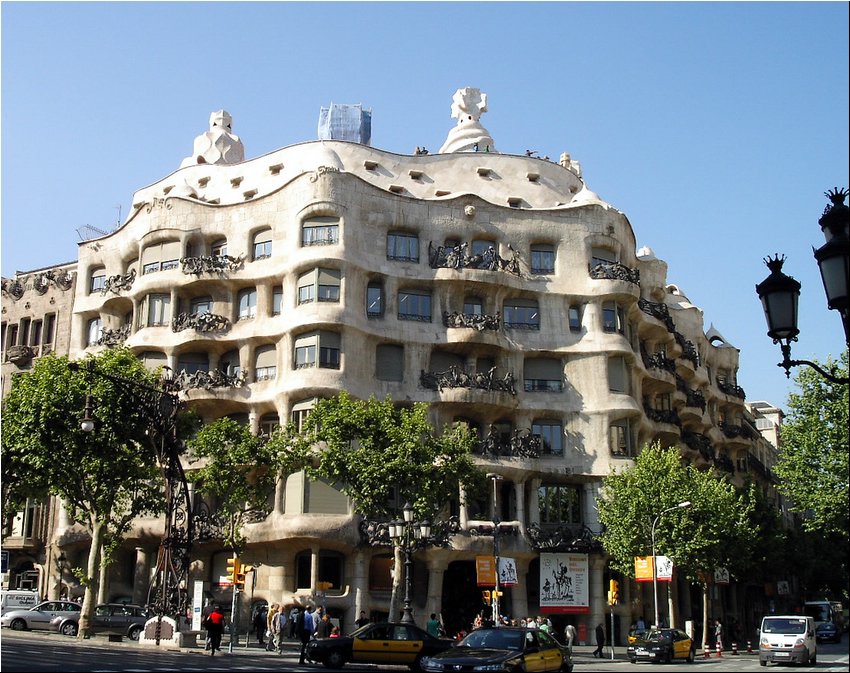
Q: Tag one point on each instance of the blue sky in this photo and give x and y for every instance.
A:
(715, 127)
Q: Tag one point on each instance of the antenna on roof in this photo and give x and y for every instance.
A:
(118, 223)
(88, 232)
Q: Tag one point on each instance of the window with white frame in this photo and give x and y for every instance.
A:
(559, 504)
(551, 434)
(318, 349)
(219, 248)
(402, 246)
(265, 363)
(229, 363)
(300, 411)
(319, 284)
(94, 330)
(98, 281)
(414, 305)
(542, 258)
(262, 244)
(200, 305)
(159, 310)
(320, 231)
(161, 257)
(269, 423)
(247, 303)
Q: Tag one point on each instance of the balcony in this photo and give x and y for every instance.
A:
(613, 271)
(562, 538)
(477, 321)
(455, 377)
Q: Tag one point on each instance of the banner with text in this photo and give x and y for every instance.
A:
(485, 571)
(564, 583)
(643, 568)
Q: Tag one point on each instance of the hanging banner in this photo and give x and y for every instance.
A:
(564, 583)
(507, 572)
(643, 568)
(721, 576)
(485, 570)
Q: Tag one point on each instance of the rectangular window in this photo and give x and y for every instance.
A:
(320, 231)
(324, 344)
(543, 375)
(521, 314)
(262, 250)
(414, 306)
(551, 434)
(49, 326)
(95, 329)
(575, 319)
(159, 309)
(402, 247)
(619, 438)
(247, 304)
(329, 357)
(473, 306)
(389, 362)
(277, 300)
(98, 282)
(559, 504)
(613, 317)
(265, 373)
(374, 300)
(218, 249)
(323, 284)
(602, 256)
(306, 294)
(300, 411)
(305, 356)
(201, 305)
(542, 259)
(618, 380)
(265, 366)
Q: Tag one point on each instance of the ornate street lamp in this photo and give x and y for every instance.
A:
(780, 293)
(168, 593)
(495, 598)
(686, 503)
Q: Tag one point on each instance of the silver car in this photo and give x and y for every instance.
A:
(40, 616)
(120, 619)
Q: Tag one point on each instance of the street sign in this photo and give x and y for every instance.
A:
(4, 561)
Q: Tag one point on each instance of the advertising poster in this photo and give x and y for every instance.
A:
(564, 583)
(485, 571)
(507, 572)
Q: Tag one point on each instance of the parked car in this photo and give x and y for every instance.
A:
(827, 631)
(382, 643)
(662, 645)
(120, 619)
(502, 649)
(787, 639)
(41, 616)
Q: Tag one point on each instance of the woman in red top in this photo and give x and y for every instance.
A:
(215, 628)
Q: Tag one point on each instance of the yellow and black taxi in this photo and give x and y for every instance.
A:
(662, 645)
(382, 643)
(507, 649)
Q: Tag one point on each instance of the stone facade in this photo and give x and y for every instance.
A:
(497, 288)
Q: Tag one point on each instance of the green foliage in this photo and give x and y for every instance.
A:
(813, 460)
(713, 532)
(108, 475)
(240, 470)
(367, 447)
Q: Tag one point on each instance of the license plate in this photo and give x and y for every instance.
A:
(781, 654)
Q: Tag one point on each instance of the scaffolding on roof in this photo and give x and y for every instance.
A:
(346, 122)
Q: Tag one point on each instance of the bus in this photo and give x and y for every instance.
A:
(825, 611)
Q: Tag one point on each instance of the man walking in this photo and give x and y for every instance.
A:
(570, 636)
(305, 631)
(600, 641)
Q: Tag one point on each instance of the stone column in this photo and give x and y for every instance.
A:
(359, 587)
(141, 576)
(276, 576)
(519, 593)
(533, 502)
(519, 494)
(434, 601)
(597, 590)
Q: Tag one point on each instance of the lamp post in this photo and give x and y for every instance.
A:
(780, 293)
(495, 598)
(686, 503)
(159, 406)
(407, 534)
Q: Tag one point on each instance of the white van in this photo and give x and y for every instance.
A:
(14, 599)
(787, 639)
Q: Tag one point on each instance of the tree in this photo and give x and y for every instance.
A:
(371, 449)
(713, 532)
(240, 470)
(106, 478)
(813, 455)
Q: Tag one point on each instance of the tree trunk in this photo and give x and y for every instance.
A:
(91, 579)
(706, 600)
(398, 574)
(103, 583)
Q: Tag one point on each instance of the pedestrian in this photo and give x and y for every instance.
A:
(305, 631)
(570, 636)
(293, 622)
(433, 625)
(641, 625)
(600, 641)
(260, 615)
(323, 628)
(215, 628)
(362, 620)
(718, 634)
(279, 628)
(270, 617)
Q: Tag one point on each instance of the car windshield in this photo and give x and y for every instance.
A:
(658, 636)
(498, 639)
(793, 626)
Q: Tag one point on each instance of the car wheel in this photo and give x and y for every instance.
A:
(762, 662)
(18, 625)
(335, 659)
(134, 633)
(68, 629)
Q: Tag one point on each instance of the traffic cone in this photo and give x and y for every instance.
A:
(749, 647)
(705, 651)
(734, 648)
(719, 650)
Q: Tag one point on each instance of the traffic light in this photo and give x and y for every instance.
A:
(233, 570)
(243, 570)
(497, 594)
(486, 596)
(614, 592)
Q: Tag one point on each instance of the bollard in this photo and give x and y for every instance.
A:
(749, 647)
(719, 650)
(734, 648)
(705, 651)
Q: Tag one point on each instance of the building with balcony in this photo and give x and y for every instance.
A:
(497, 288)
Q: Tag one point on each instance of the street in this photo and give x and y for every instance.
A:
(37, 651)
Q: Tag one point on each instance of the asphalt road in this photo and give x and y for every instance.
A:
(39, 651)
